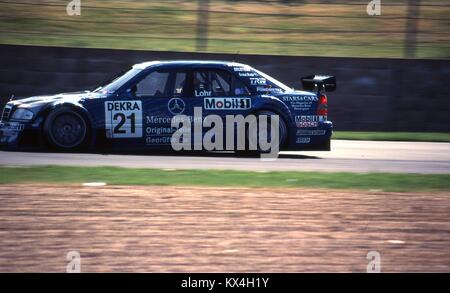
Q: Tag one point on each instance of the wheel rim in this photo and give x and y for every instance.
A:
(68, 130)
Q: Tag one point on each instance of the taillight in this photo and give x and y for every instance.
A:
(322, 109)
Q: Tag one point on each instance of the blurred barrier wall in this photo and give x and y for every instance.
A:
(372, 94)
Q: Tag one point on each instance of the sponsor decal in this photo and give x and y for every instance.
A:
(158, 129)
(176, 106)
(12, 126)
(300, 103)
(306, 124)
(300, 98)
(152, 131)
(203, 93)
(268, 89)
(258, 81)
(241, 69)
(168, 120)
(303, 139)
(227, 103)
(158, 140)
(311, 132)
(157, 120)
(123, 119)
(247, 74)
(310, 118)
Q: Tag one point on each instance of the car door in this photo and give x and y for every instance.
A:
(141, 116)
(218, 92)
(164, 95)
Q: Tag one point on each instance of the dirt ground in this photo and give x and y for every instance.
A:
(198, 229)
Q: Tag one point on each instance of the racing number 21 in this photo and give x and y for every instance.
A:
(123, 119)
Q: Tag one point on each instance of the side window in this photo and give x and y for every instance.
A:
(180, 84)
(153, 85)
(221, 83)
(211, 83)
(238, 87)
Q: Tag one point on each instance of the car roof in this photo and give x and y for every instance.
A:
(188, 63)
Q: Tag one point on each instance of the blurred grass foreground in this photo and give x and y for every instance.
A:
(413, 29)
(224, 178)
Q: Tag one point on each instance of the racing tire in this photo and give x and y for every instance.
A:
(283, 131)
(66, 130)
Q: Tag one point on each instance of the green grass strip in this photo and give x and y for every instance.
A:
(126, 176)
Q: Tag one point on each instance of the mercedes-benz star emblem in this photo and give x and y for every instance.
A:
(176, 106)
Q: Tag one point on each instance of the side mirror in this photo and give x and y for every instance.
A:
(131, 92)
(319, 83)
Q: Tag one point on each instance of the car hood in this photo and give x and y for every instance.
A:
(74, 97)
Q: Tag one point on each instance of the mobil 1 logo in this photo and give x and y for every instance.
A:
(123, 119)
(227, 103)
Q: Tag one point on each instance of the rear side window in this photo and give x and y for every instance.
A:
(239, 88)
(259, 82)
(217, 83)
(211, 83)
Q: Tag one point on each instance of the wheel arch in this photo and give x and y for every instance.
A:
(73, 106)
(78, 108)
(273, 104)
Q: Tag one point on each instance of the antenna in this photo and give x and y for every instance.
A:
(235, 56)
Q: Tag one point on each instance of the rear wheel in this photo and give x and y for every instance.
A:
(66, 130)
(268, 132)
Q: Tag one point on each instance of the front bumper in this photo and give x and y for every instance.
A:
(16, 135)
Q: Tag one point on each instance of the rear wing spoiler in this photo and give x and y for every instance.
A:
(319, 83)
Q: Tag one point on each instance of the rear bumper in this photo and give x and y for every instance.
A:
(310, 139)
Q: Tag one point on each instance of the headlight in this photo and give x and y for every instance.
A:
(22, 114)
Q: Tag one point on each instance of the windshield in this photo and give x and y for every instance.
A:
(116, 82)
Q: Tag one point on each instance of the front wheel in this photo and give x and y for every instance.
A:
(66, 130)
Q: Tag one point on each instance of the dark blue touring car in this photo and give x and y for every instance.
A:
(134, 110)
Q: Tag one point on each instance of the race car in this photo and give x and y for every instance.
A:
(136, 109)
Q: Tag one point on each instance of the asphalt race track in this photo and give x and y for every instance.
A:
(346, 156)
